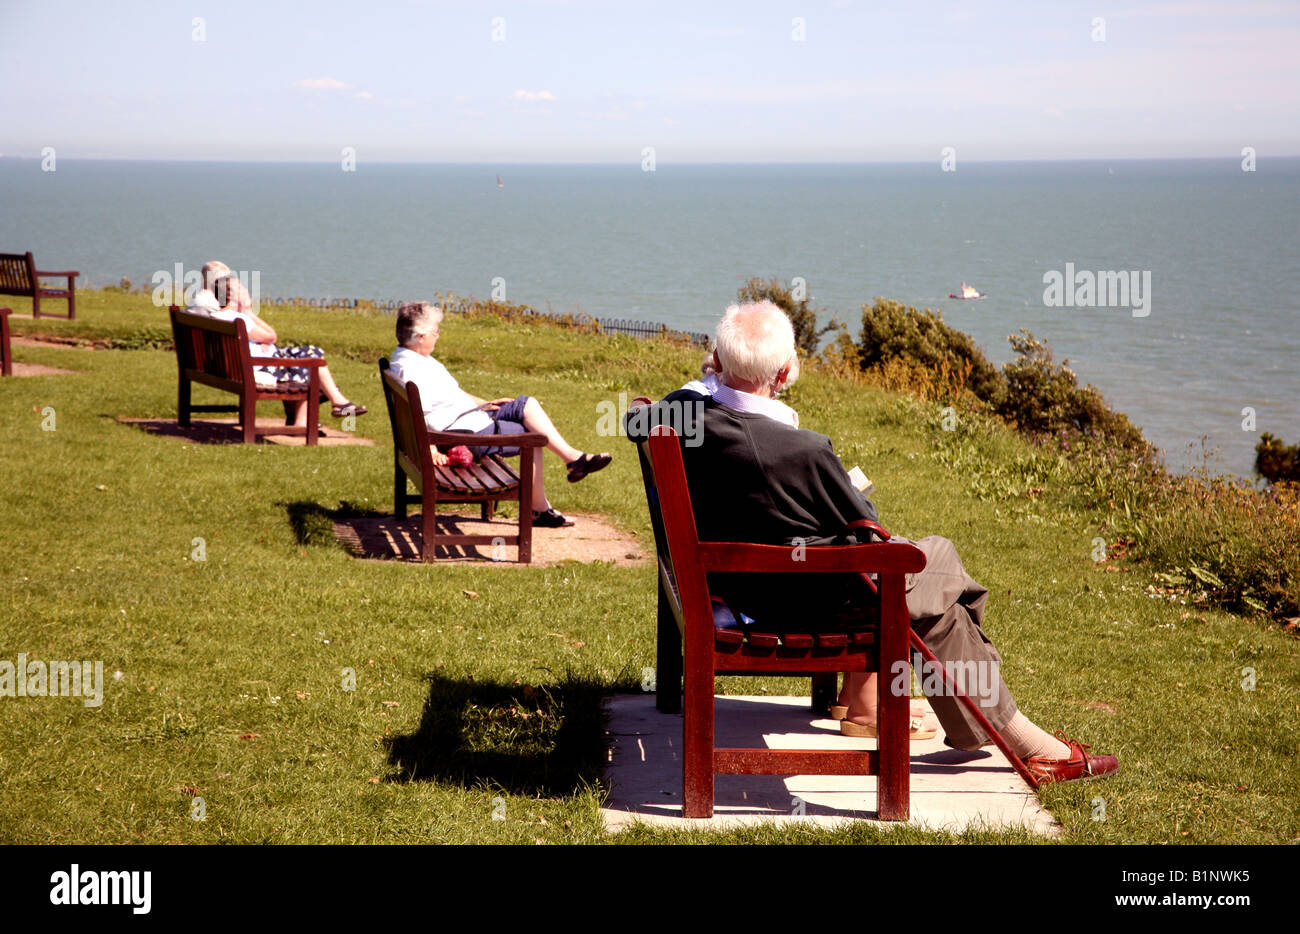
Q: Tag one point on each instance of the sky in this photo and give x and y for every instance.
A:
(501, 82)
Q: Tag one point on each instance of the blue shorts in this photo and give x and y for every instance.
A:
(507, 420)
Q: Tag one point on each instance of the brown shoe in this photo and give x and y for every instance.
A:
(1079, 765)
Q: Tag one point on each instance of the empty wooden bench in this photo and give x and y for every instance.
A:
(216, 353)
(19, 276)
(486, 481)
(691, 647)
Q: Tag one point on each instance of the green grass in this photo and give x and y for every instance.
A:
(461, 701)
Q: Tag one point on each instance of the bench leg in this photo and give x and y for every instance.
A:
(895, 756)
(36, 303)
(183, 403)
(248, 416)
(824, 686)
(668, 658)
(313, 406)
(72, 300)
(526, 504)
(697, 737)
(428, 524)
(399, 489)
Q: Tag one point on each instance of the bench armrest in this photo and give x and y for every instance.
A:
(874, 527)
(308, 362)
(870, 558)
(528, 439)
(72, 274)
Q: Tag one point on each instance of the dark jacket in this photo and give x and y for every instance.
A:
(753, 479)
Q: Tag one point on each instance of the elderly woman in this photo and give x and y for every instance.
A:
(447, 407)
(234, 303)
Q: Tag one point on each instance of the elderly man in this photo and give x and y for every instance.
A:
(755, 477)
(447, 407)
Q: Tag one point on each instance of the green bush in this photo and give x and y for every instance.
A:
(1044, 397)
(807, 336)
(1277, 462)
(920, 339)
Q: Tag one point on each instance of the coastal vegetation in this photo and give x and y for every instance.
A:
(477, 686)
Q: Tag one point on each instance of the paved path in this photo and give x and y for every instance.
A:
(951, 790)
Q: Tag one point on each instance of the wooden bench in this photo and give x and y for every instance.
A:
(486, 481)
(771, 647)
(6, 352)
(19, 276)
(216, 353)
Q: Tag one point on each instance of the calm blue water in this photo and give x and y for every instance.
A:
(673, 246)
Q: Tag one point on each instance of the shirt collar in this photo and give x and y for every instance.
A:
(755, 405)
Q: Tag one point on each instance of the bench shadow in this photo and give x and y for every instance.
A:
(370, 533)
(210, 430)
(546, 740)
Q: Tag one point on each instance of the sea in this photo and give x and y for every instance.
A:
(1207, 360)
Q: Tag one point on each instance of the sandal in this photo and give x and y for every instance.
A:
(917, 730)
(550, 519)
(587, 463)
(840, 711)
(347, 408)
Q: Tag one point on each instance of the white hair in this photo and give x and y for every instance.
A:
(412, 316)
(754, 342)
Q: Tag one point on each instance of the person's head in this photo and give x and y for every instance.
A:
(709, 366)
(212, 271)
(226, 289)
(755, 348)
(418, 326)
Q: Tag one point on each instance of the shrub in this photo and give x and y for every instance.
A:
(921, 339)
(807, 336)
(1275, 461)
(1044, 397)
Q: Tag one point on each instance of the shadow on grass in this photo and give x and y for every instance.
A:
(313, 524)
(543, 741)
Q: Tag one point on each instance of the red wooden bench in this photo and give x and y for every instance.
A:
(771, 647)
(19, 276)
(216, 353)
(6, 352)
(486, 481)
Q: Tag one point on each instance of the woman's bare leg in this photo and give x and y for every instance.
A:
(331, 390)
(536, 419)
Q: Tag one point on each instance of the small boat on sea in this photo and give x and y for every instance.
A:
(967, 291)
(500, 184)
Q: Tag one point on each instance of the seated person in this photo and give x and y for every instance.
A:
(447, 407)
(756, 478)
(230, 296)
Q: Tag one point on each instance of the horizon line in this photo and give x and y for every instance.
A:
(633, 162)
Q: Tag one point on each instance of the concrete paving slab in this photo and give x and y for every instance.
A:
(951, 790)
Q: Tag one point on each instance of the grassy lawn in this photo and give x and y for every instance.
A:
(232, 668)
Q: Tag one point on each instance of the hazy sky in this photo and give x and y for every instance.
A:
(599, 82)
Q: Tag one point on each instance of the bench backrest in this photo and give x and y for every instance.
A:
(681, 579)
(17, 274)
(406, 416)
(212, 351)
